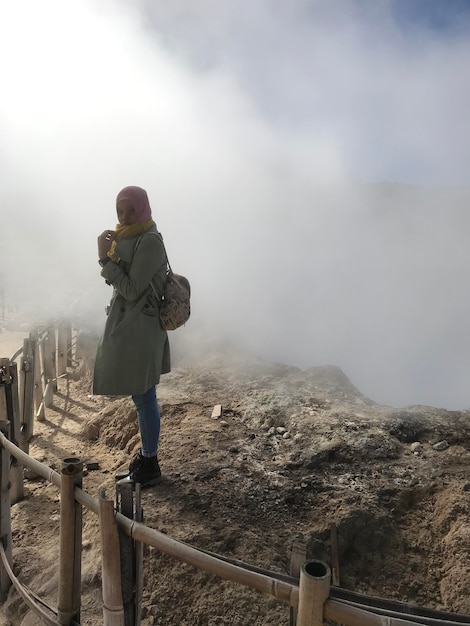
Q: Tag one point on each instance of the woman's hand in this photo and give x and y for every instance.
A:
(104, 242)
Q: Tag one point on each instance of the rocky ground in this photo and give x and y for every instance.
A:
(292, 453)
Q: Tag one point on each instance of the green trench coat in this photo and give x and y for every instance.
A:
(134, 350)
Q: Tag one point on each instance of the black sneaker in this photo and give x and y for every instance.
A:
(145, 470)
(135, 462)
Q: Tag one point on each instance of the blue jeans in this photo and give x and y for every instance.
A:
(148, 415)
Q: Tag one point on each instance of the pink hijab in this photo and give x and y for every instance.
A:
(139, 199)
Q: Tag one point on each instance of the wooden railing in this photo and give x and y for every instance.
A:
(26, 393)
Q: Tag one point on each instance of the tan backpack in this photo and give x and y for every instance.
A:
(174, 303)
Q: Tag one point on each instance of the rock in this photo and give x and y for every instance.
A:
(30, 474)
(217, 411)
(441, 445)
(416, 446)
(286, 435)
(91, 430)
(281, 430)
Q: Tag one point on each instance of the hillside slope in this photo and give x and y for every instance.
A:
(293, 452)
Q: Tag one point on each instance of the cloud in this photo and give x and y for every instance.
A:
(390, 93)
(262, 136)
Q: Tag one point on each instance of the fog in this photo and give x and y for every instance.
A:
(306, 162)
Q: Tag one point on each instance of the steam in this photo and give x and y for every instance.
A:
(263, 139)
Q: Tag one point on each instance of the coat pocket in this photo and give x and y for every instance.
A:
(151, 306)
(130, 315)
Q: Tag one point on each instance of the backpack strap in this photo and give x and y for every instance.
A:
(160, 237)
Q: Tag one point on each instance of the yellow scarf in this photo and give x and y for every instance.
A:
(128, 231)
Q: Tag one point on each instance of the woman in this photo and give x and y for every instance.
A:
(134, 350)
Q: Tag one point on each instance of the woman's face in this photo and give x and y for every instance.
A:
(126, 212)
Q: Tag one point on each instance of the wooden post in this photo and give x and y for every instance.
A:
(68, 334)
(297, 558)
(49, 352)
(12, 414)
(75, 350)
(3, 403)
(314, 589)
(125, 504)
(113, 610)
(38, 386)
(49, 394)
(70, 547)
(139, 559)
(5, 513)
(62, 340)
(334, 554)
(27, 393)
(5, 377)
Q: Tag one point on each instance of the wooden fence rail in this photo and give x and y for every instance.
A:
(308, 593)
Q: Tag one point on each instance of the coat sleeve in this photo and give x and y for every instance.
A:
(148, 258)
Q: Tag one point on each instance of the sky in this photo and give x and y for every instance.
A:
(307, 163)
